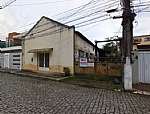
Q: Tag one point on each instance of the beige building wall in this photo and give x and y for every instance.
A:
(48, 34)
(82, 45)
(141, 40)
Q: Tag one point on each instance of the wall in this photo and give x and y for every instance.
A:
(82, 45)
(1, 60)
(135, 73)
(141, 67)
(83, 70)
(11, 60)
(61, 41)
(10, 39)
(15, 61)
(108, 69)
(144, 66)
(141, 40)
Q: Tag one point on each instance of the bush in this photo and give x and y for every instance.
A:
(66, 71)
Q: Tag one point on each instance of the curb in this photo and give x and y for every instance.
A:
(34, 76)
(141, 92)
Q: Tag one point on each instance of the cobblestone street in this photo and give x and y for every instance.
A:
(24, 95)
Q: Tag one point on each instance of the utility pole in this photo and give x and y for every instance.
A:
(127, 24)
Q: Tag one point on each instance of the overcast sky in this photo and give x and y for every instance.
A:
(17, 15)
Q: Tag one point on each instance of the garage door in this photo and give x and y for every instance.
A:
(144, 67)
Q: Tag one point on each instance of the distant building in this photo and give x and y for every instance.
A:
(2, 44)
(10, 40)
(10, 57)
(14, 39)
(141, 42)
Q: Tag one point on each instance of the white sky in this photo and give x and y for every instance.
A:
(13, 17)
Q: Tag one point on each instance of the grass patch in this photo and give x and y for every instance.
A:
(93, 78)
(92, 81)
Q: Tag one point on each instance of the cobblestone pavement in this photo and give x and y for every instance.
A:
(24, 95)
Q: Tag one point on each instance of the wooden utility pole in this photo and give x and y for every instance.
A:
(127, 23)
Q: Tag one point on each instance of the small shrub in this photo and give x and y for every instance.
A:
(66, 71)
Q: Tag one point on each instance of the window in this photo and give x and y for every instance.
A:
(87, 55)
(16, 55)
(81, 54)
(147, 39)
(16, 63)
(16, 59)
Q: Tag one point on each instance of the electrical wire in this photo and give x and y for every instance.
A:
(63, 13)
(93, 22)
(83, 17)
(91, 19)
(61, 30)
(95, 8)
(91, 14)
(40, 3)
(80, 22)
(78, 10)
(53, 16)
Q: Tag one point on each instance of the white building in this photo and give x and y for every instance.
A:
(10, 58)
(54, 47)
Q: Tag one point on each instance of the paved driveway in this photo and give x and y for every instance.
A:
(22, 95)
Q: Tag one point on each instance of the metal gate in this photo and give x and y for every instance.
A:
(144, 67)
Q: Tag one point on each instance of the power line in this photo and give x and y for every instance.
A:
(66, 12)
(83, 17)
(75, 20)
(91, 19)
(141, 10)
(51, 27)
(146, 11)
(61, 29)
(53, 16)
(93, 22)
(7, 4)
(91, 14)
(95, 8)
(58, 30)
(69, 22)
(79, 9)
(40, 3)
(88, 15)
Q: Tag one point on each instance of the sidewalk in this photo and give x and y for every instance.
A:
(142, 88)
(35, 74)
(137, 89)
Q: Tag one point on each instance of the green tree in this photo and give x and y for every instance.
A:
(112, 48)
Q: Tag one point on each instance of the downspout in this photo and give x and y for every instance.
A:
(23, 52)
(73, 50)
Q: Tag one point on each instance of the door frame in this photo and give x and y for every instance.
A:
(43, 68)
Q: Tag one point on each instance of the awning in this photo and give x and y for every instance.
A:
(40, 50)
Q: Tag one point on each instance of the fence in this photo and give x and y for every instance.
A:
(102, 67)
(108, 69)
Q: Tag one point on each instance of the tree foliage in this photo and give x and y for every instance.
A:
(112, 48)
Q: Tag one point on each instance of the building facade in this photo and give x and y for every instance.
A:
(54, 47)
(2, 44)
(10, 57)
(141, 42)
(14, 39)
